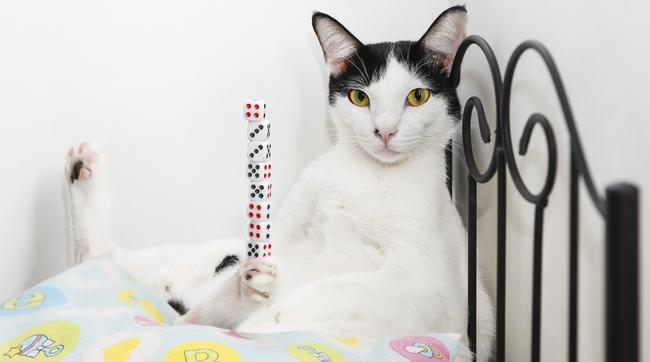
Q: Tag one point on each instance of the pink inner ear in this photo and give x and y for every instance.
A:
(337, 66)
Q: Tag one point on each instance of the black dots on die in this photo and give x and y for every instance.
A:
(257, 246)
(256, 255)
(257, 167)
(250, 166)
(268, 227)
(268, 236)
(250, 245)
(256, 151)
(252, 135)
(260, 147)
(260, 127)
(252, 194)
(250, 174)
(251, 155)
(256, 131)
(249, 253)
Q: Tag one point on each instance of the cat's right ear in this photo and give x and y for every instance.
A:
(338, 44)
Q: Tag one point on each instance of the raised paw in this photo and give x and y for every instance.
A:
(83, 162)
(258, 278)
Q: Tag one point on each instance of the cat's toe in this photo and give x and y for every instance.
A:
(258, 279)
(83, 161)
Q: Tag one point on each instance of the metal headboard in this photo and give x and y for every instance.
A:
(618, 208)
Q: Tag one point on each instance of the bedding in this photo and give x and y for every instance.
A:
(96, 312)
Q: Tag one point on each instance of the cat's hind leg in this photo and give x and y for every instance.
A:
(89, 203)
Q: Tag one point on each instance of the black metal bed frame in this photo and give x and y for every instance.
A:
(618, 208)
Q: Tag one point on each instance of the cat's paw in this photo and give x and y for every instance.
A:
(84, 162)
(258, 278)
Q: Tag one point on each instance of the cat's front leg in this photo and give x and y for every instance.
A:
(228, 303)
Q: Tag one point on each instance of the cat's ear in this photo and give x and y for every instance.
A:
(338, 44)
(445, 35)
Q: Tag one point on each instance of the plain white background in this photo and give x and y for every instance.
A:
(160, 85)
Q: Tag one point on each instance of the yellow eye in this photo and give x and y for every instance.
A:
(418, 96)
(358, 98)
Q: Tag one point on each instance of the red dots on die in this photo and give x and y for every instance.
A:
(259, 207)
(250, 226)
(257, 227)
(256, 115)
(258, 216)
(264, 247)
(250, 214)
(248, 114)
(257, 106)
(248, 105)
(250, 234)
(250, 206)
(257, 235)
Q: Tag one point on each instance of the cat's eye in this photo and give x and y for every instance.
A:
(358, 98)
(418, 96)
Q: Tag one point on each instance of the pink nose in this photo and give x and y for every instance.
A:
(385, 135)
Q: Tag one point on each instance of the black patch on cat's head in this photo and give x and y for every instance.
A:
(366, 63)
(369, 65)
(178, 306)
(228, 261)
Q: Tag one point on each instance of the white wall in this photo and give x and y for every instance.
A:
(160, 84)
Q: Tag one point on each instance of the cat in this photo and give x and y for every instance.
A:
(368, 241)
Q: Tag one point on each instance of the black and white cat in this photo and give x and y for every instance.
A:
(368, 242)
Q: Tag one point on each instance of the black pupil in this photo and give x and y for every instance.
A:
(361, 96)
(417, 94)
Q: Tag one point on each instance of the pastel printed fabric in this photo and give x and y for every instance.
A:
(96, 312)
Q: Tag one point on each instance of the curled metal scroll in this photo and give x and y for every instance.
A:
(577, 152)
(475, 104)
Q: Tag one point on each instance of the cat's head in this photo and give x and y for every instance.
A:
(393, 100)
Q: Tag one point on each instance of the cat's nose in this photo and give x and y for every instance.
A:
(385, 135)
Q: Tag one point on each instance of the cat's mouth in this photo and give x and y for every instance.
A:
(387, 153)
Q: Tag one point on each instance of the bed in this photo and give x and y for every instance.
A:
(96, 312)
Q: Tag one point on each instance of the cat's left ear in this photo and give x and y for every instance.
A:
(338, 44)
(445, 35)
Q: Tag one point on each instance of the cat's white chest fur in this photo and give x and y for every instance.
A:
(359, 216)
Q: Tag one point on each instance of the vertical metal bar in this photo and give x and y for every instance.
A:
(573, 261)
(471, 257)
(622, 265)
(450, 168)
(537, 283)
(501, 255)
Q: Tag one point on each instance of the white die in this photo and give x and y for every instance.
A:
(259, 131)
(258, 211)
(259, 231)
(255, 110)
(260, 191)
(258, 151)
(258, 171)
(259, 250)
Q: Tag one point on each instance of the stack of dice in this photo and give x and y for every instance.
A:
(258, 171)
